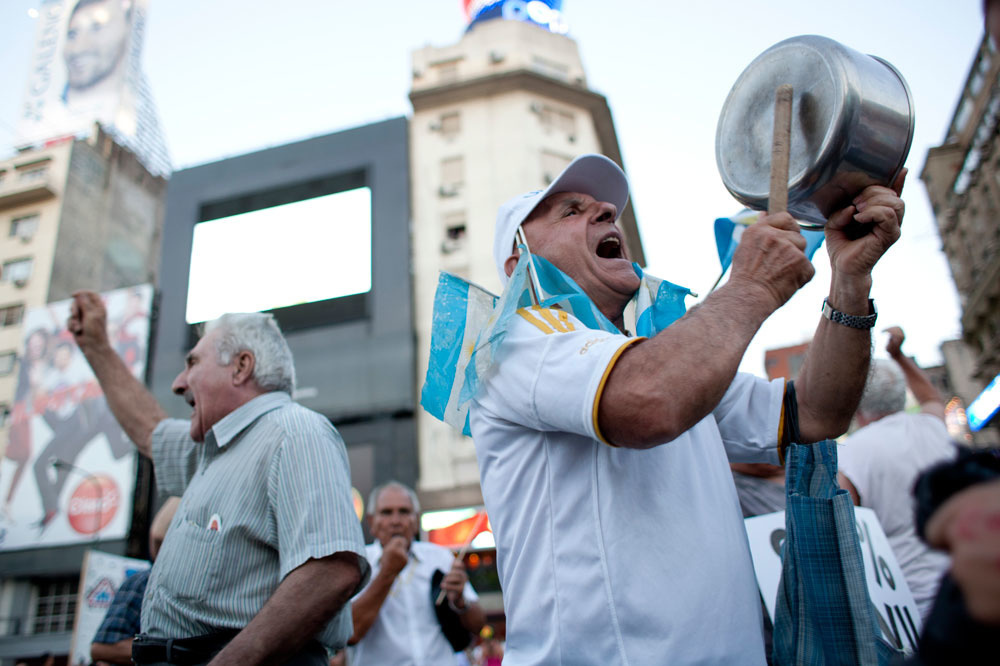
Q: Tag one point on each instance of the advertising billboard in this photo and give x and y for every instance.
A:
(68, 470)
(543, 13)
(86, 68)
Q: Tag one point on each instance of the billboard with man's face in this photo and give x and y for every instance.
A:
(86, 68)
(68, 470)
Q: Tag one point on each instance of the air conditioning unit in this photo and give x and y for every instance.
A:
(21, 283)
(27, 238)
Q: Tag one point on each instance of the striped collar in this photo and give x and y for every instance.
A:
(238, 420)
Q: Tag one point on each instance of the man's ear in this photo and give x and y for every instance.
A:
(511, 263)
(244, 365)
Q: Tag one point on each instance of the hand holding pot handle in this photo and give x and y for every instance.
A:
(878, 211)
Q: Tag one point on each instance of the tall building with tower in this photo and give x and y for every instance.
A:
(499, 113)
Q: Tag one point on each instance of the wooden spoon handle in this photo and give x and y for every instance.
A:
(777, 200)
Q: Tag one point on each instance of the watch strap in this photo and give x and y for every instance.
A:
(863, 322)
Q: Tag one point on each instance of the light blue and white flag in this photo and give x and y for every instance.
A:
(469, 325)
(729, 230)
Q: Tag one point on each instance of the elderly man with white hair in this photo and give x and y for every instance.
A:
(265, 549)
(880, 461)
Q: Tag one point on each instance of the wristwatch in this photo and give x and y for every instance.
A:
(853, 321)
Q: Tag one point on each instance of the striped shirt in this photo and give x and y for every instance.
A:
(267, 490)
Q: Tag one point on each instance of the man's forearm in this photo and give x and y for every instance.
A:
(834, 372)
(365, 609)
(917, 380)
(660, 388)
(115, 653)
(299, 609)
(474, 617)
(133, 406)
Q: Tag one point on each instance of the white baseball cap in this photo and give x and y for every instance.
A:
(591, 174)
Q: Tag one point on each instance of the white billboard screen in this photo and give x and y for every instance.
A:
(301, 252)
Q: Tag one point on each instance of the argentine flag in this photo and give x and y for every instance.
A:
(470, 323)
(729, 230)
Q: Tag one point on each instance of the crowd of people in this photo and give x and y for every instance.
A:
(619, 451)
(598, 437)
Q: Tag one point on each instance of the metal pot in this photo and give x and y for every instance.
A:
(852, 126)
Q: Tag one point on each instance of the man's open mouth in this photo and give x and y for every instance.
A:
(610, 248)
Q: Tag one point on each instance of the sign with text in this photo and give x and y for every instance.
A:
(101, 576)
(898, 616)
(86, 69)
(68, 471)
(543, 13)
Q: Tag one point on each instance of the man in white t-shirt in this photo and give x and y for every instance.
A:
(880, 461)
(604, 457)
(394, 616)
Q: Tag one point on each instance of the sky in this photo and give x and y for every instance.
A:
(235, 76)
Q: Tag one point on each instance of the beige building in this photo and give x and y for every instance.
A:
(963, 181)
(76, 213)
(962, 177)
(499, 113)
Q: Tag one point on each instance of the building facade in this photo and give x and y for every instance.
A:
(74, 214)
(962, 177)
(499, 113)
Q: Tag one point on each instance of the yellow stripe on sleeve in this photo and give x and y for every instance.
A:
(559, 319)
(555, 321)
(536, 322)
(604, 379)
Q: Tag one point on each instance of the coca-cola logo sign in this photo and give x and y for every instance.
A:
(93, 504)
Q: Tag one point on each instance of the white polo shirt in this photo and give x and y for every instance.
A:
(610, 555)
(406, 631)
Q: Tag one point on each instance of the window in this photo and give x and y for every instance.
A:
(25, 226)
(550, 68)
(447, 71)
(552, 118)
(56, 605)
(11, 315)
(452, 175)
(33, 175)
(4, 414)
(454, 225)
(552, 165)
(451, 124)
(17, 271)
(7, 360)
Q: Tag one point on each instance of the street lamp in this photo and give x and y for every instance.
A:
(58, 463)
